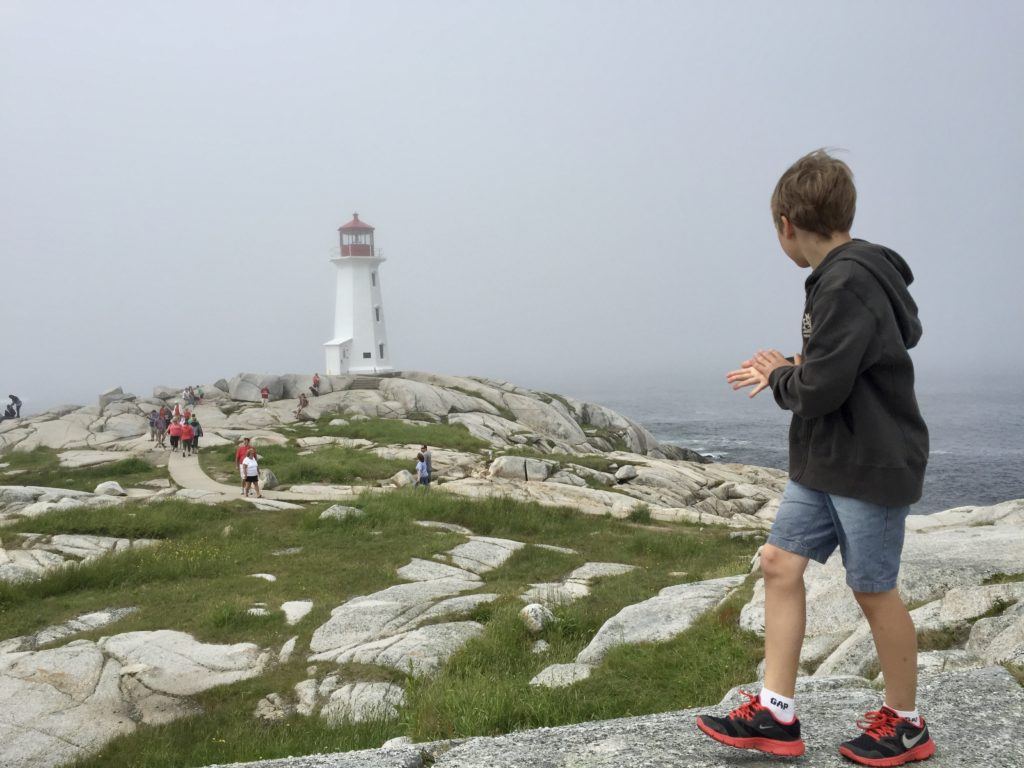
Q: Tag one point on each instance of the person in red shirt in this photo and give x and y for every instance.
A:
(175, 432)
(315, 389)
(240, 453)
(265, 394)
(187, 433)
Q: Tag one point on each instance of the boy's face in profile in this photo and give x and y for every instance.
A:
(786, 233)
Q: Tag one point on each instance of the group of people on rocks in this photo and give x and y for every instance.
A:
(13, 409)
(303, 400)
(192, 396)
(182, 427)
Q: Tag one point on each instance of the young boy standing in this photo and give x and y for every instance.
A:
(857, 453)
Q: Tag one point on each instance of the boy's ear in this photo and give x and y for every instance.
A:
(786, 228)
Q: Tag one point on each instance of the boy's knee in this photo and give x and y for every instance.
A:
(873, 601)
(779, 565)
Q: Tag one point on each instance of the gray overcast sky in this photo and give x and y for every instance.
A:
(566, 192)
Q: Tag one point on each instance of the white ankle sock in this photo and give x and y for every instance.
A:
(782, 707)
(912, 715)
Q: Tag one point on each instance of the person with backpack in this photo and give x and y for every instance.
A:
(197, 432)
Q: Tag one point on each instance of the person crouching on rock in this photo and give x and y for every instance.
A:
(175, 432)
(422, 471)
(251, 474)
(187, 433)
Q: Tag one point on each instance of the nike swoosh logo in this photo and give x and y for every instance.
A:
(908, 743)
(766, 727)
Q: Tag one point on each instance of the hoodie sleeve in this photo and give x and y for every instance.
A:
(840, 347)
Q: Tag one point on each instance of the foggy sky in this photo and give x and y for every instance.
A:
(567, 193)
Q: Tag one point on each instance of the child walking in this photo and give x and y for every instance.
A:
(857, 453)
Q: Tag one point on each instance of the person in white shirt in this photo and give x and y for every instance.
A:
(251, 473)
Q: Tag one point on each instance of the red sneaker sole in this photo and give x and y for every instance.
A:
(770, 746)
(920, 752)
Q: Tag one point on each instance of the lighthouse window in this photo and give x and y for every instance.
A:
(376, 311)
(373, 278)
(367, 355)
(381, 347)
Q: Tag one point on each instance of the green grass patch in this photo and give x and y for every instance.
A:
(42, 467)
(641, 513)
(1004, 578)
(331, 464)
(484, 690)
(394, 432)
(198, 580)
(1017, 671)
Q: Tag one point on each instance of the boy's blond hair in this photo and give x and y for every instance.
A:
(816, 194)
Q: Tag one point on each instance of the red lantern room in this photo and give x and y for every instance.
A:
(356, 238)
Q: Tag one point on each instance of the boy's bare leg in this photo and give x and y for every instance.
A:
(784, 617)
(896, 643)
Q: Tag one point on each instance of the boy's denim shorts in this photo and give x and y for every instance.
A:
(870, 537)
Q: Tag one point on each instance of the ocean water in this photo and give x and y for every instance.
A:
(977, 434)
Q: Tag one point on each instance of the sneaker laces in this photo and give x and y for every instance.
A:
(879, 723)
(747, 710)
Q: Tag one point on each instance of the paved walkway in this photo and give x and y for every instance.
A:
(186, 472)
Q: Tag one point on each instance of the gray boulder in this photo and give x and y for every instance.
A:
(268, 479)
(536, 617)
(247, 386)
(341, 512)
(626, 473)
(110, 488)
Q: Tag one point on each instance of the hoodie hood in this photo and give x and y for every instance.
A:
(893, 275)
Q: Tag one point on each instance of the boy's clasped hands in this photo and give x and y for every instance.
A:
(755, 371)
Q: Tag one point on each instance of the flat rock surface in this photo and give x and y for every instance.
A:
(662, 617)
(73, 699)
(985, 735)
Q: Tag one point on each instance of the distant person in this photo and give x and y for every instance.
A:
(174, 430)
(177, 412)
(240, 453)
(422, 471)
(153, 416)
(315, 389)
(199, 394)
(8, 413)
(428, 458)
(16, 405)
(161, 428)
(857, 456)
(303, 404)
(251, 474)
(265, 396)
(197, 432)
(187, 433)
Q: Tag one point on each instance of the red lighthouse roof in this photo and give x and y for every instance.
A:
(356, 224)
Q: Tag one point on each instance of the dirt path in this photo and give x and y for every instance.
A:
(186, 472)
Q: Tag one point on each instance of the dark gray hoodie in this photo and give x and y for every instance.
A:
(856, 429)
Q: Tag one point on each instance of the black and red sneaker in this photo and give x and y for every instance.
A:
(753, 726)
(888, 739)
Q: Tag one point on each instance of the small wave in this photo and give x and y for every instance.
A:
(714, 454)
(939, 453)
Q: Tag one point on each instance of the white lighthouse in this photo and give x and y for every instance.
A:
(360, 343)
